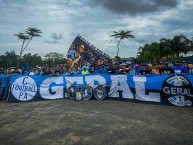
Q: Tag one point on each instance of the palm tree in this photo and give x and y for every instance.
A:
(121, 35)
(26, 38)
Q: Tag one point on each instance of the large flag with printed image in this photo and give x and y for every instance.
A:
(81, 52)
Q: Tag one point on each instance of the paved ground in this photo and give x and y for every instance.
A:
(107, 122)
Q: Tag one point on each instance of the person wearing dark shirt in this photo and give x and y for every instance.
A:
(165, 69)
(56, 71)
(144, 71)
(47, 71)
(112, 70)
(190, 69)
(124, 70)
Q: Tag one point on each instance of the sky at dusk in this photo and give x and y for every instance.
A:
(62, 20)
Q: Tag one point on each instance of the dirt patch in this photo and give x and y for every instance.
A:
(94, 122)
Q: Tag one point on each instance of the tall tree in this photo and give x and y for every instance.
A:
(121, 35)
(26, 38)
(10, 58)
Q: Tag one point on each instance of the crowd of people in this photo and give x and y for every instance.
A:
(102, 68)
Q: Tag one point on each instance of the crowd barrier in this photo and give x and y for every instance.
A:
(164, 89)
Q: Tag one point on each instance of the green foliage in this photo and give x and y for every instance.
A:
(9, 59)
(165, 49)
(54, 58)
(117, 58)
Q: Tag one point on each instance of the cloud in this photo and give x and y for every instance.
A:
(136, 7)
(57, 36)
(51, 41)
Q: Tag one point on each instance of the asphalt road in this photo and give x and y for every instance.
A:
(107, 122)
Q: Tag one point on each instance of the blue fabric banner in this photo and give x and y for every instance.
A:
(166, 89)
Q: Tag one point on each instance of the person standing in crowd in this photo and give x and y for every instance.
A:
(185, 65)
(56, 71)
(32, 71)
(165, 69)
(69, 72)
(86, 65)
(76, 71)
(38, 71)
(16, 71)
(131, 70)
(47, 71)
(123, 70)
(137, 68)
(156, 70)
(178, 69)
(149, 67)
(4, 84)
(190, 69)
(144, 71)
(9, 71)
(104, 68)
(85, 72)
(97, 69)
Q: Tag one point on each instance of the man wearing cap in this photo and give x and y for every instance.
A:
(178, 69)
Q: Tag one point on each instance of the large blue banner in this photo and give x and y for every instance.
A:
(166, 89)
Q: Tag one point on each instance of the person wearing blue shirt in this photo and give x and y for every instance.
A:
(178, 69)
(104, 69)
(4, 84)
(97, 69)
(137, 69)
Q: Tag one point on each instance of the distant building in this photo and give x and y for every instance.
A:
(123, 60)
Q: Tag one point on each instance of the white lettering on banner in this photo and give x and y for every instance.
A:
(71, 80)
(115, 88)
(140, 90)
(58, 91)
(24, 88)
(90, 80)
